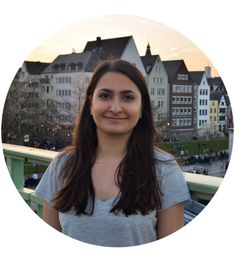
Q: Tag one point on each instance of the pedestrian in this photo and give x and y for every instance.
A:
(222, 165)
(112, 187)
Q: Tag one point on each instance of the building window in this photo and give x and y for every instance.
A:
(148, 68)
(182, 77)
(72, 66)
(189, 88)
(62, 67)
(176, 88)
(160, 104)
(63, 93)
(158, 68)
(79, 65)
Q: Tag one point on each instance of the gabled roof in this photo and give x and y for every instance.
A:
(35, 67)
(215, 81)
(215, 96)
(172, 67)
(88, 60)
(217, 84)
(148, 62)
(227, 100)
(197, 76)
(112, 48)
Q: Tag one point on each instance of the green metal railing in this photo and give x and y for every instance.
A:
(201, 187)
(15, 157)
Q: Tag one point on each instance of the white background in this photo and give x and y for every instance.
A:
(24, 25)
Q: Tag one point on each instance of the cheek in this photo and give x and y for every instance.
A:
(98, 108)
(137, 109)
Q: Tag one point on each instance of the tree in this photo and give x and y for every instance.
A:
(27, 113)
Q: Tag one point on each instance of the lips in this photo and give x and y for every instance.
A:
(115, 118)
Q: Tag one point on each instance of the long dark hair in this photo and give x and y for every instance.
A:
(139, 191)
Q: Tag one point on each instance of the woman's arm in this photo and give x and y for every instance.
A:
(51, 216)
(170, 220)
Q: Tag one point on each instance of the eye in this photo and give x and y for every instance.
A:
(128, 97)
(104, 95)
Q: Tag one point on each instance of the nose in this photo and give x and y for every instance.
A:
(116, 107)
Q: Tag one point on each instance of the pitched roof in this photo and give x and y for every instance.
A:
(215, 96)
(197, 76)
(112, 48)
(35, 67)
(172, 67)
(227, 100)
(215, 81)
(218, 95)
(217, 84)
(87, 60)
(148, 62)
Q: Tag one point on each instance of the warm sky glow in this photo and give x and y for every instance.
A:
(166, 42)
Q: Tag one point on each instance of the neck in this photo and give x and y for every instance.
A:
(111, 146)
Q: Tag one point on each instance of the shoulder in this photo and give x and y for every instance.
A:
(165, 163)
(64, 156)
(50, 182)
(162, 155)
(60, 160)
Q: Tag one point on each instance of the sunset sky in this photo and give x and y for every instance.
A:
(165, 41)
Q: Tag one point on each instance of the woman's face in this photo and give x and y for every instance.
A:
(116, 104)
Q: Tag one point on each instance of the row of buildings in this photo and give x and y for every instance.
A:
(186, 103)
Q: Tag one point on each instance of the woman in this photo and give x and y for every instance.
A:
(112, 187)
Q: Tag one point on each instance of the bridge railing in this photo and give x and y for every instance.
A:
(201, 187)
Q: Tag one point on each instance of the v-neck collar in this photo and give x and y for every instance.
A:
(108, 200)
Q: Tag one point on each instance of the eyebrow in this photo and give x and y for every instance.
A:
(111, 91)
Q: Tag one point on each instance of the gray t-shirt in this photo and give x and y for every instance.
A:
(107, 229)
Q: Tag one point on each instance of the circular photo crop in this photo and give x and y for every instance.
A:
(117, 131)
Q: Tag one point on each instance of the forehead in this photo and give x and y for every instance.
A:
(117, 82)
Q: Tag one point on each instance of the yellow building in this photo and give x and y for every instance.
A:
(213, 114)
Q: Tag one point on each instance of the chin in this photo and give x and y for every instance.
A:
(116, 132)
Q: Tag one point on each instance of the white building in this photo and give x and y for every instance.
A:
(157, 81)
(67, 77)
(30, 95)
(202, 102)
(65, 82)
